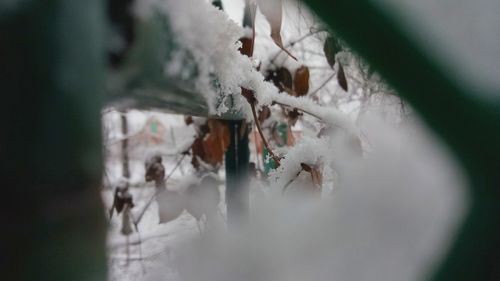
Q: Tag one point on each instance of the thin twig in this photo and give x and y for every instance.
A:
(176, 165)
(293, 93)
(323, 84)
(292, 43)
(290, 181)
(174, 145)
(259, 129)
(257, 160)
(139, 240)
(303, 110)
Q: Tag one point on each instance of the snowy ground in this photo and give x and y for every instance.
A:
(154, 248)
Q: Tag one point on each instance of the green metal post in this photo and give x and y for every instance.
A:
(51, 77)
(237, 172)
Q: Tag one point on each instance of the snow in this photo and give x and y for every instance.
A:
(390, 220)
(387, 208)
(208, 34)
(388, 215)
(212, 38)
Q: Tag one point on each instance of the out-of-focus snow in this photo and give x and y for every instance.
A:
(390, 216)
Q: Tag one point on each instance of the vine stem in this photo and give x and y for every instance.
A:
(259, 129)
(250, 97)
(292, 93)
(292, 43)
(323, 84)
(290, 181)
(303, 110)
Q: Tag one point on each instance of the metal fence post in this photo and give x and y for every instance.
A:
(237, 172)
(51, 78)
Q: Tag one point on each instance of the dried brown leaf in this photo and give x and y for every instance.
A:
(305, 167)
(272, 11)
(246, 46)
(316, 177)
(215, 142)
(331, 48)
(301, 81)
(341, 79)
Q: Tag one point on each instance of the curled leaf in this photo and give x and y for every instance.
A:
(211, 144)
(341, 79)
(301, 81)
(316, 177)
(272, 10)
(331, 48)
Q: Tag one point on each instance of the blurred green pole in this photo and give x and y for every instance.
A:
(237, 158)
(51, 77)
(237, 172)
(466, 122)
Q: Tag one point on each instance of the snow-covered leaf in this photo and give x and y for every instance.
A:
(272, 10)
